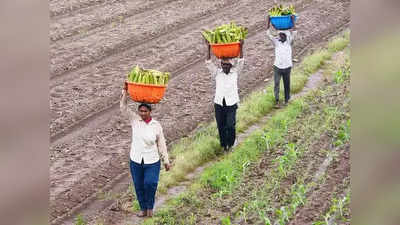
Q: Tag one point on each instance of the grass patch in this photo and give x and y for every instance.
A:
(338, 44)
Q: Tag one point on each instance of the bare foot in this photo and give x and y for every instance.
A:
(141, 214)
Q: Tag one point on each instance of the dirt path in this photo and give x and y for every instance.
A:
(90, 139)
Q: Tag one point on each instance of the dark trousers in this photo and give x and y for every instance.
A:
(226, 122)
(145, 179)
(285, 74)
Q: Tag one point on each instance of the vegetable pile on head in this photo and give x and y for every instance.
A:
(282, 11)
(142, 76)
(224, 34)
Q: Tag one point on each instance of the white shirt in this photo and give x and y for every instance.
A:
(226, 84)
(283, 51)
(148, 141)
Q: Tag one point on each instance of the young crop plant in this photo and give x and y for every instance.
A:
(343, 134)
(226, 220)
(286, 161)
(338, 210)
(343, 73)
(80, 220)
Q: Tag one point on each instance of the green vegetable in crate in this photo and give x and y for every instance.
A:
(142, 76)
(227, 33)
(282, 11)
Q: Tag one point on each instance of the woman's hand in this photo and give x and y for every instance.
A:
(167, 166)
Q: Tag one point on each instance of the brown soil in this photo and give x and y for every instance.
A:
(89, 138)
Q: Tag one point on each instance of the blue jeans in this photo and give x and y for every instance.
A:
(145, 179)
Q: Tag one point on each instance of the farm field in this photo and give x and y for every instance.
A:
(95, 43)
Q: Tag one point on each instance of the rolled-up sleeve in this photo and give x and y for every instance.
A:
(162, 146)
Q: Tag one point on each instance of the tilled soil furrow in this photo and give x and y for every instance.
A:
(93, 93)
(318, 202)
(116, 13)
(306, 166)
(76, 52)
(62, 7)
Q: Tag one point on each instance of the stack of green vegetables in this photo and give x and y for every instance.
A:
(227, 33)
(142, 76)
(281, 11)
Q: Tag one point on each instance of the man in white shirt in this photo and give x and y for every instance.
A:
(226, 96)
(283, 60)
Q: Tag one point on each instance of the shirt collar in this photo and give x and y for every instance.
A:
(150, 121)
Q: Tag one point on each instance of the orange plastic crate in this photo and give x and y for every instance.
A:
(147, 93)
(229, 50)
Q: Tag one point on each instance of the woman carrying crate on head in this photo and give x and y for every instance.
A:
(147, 147)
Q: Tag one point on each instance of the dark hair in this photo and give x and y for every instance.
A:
(283, 33)
(145, 105)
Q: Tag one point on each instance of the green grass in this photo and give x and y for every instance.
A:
(339, 43)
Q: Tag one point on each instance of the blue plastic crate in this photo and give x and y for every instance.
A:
(282, 22)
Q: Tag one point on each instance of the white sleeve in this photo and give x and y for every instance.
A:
(272, 38)
(239, 65)
(291, 36)
(125, 110)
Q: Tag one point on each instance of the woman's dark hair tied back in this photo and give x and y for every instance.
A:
(145, 105)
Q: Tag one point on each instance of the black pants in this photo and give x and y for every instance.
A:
(285, 74)
(226, 122)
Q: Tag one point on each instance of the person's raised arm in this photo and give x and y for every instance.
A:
(294, 31)
(123, 105)
(240, 60)
(209, 64)
(269, 35)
